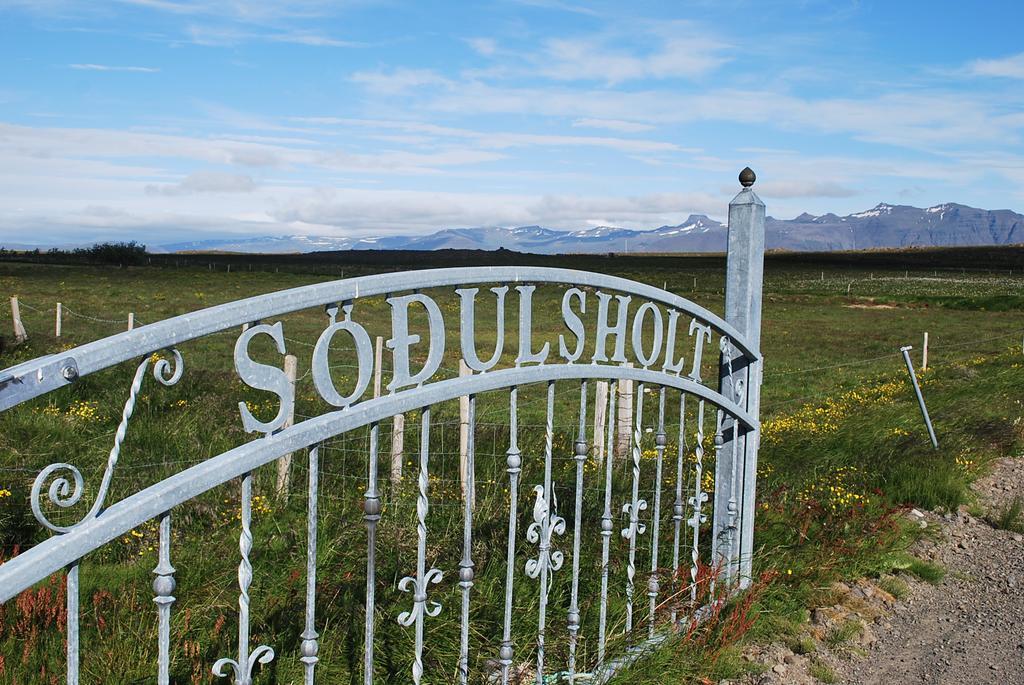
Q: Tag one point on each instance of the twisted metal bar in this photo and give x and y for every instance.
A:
(424, 578)
(514, 468)
(163, 586)
(263, 654)
(653, 586)
(718, 554)
(60, 491)
(580, 455)
(546, 524)
(633, 509)
(678, 507)
(697, 501)
(310, 648)
(466, 573)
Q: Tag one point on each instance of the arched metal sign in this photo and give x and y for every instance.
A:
(611, 330)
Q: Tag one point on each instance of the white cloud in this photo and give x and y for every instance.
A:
(396, 211)
(1007, 67)
(107, 67)
(612, 125)
(206, 182)
(594, 59)
(399, 80)
(793, 188)
(483, 46)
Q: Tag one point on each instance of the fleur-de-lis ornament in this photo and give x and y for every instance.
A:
(546, 524)
(418, 586)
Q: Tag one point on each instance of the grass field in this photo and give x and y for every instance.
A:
(843, 449)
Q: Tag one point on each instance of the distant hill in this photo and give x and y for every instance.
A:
(884, 225)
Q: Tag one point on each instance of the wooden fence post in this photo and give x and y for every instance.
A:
(924, 353)
(57, 322)
(397, 422)
(600, 416)
(131, 320)
(378, 357)
(20, 335)
(284, 464)
(625, 417)
(397, 446)
(467, 487)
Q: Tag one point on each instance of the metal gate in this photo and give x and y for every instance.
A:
(620, 335)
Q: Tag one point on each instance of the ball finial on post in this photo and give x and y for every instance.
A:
(747, 177)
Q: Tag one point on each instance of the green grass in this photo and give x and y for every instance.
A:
(1009, 517)
(842, 634)
(822, 672)
(926, 571)
(855, 427)
(894, 586)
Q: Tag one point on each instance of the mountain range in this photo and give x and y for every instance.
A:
(882, 226)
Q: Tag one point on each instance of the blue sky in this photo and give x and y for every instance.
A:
(165, 120)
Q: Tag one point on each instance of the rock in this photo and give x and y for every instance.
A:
(1017, 537)
(779, 669)
(867, 636)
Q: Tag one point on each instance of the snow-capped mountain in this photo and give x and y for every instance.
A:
(884, 225)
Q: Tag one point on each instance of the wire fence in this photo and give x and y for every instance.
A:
(450, 371)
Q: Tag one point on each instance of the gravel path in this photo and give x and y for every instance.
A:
(970, 627)
(966, 630)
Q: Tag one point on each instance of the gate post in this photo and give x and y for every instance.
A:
(736, 467)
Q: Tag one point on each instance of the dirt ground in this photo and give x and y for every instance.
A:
(968, 628)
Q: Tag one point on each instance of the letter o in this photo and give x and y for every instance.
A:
(322, 370)
(638, 329)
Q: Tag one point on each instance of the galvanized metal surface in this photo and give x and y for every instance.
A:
(920, 398)
(736, 436)
(33, 378)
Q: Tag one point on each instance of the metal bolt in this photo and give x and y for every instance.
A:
(70, 373)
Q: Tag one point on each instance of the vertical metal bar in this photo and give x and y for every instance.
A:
(920, 397)
(72, 589)
(371, 515)
(653, 586)
(163, 586)
(310, 648)
(263, 654)
(581, 458)
(678, 509)
(466, 564)
(244, 576)
(606, 524)
(422, 508)
(634, 507)
(545, 525)
(748, 507)
(720, 523)
(697, 501)
(514, 468)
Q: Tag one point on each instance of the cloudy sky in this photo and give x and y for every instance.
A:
(165, 120)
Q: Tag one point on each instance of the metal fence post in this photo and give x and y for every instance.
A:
(736, 468)
(920, 398)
